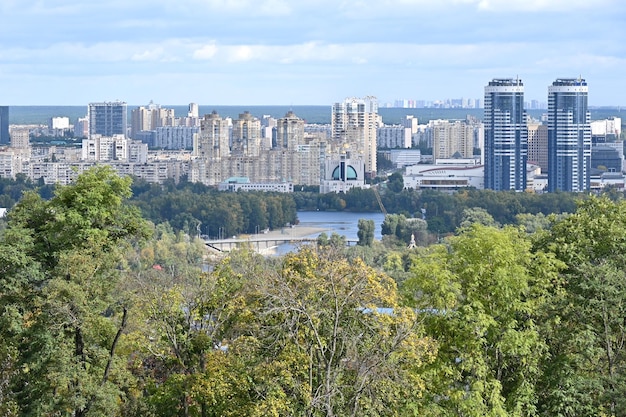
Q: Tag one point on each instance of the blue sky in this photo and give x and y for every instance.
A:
(237, 52)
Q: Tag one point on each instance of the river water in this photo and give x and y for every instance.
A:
(341, 222)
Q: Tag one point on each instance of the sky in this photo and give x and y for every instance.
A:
(304, 52)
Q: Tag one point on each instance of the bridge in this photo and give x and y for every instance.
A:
(260, 243)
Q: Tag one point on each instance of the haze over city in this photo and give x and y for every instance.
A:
(71, 52)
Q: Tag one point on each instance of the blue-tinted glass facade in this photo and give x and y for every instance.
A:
(108, 119)
(569, 136)
(4, 125)
(506, 135)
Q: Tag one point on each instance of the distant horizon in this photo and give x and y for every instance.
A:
(382, 105)
(313, 114)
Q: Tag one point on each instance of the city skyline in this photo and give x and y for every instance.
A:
(276, 52)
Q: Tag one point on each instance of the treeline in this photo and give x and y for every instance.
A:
(443, 211)
(197, 209)
(105, 314)
(11, 190)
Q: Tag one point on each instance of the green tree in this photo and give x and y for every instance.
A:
(337, 340)
(586, 372)
(60, 311)
(477, 215)
(365, 232)
(481, 298)
(395, 182)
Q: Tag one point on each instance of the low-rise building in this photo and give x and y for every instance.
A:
(234, 184)
(445, 175)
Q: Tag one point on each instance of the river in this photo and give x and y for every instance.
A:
(340, 222)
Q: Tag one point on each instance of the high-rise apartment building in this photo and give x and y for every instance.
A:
(569, 135)
(107, 118)
(20, 138)
(5, 138)
(452, 139)
(354, 124)
(289, 132)
(246, 139)
(506, 135)
(213, 140)
(538, 145)
(144, 119)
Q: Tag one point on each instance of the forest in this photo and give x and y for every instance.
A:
(106, 312)
(196, 209)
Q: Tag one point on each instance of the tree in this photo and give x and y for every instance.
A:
(586, 371)
(186, 330)
(59, 275)
(366, 232)
(337, 340)
(481, 298)
(477, 215)
(395, 182)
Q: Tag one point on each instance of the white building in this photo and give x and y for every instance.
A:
(342, 174)
(401, 158)
(354, 125)
(445, 175)
(113, 148)
(175, 137)
(607, 129)
(392, 137)
(61, 123)
(234, 184)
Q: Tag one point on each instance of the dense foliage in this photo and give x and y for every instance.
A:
(104, 314)
(199, 210)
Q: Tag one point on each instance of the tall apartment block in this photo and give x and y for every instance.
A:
(569, 135)
(149, 118)
(452, 139)
(289, 132)
(506, 135)
(246, 136)
(354, 123)
(107, 118)
(538, 145)
(5, 138)
(214, 138)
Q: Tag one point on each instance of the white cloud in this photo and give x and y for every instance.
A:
(156, 54)
(205, 52)
(540, 5)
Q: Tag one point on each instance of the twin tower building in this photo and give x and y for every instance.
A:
(506, 135)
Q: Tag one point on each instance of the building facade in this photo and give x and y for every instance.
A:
(393, 137)
(506, 135)
(289, 132)
(354, 125)
(453, 139)
(20, 138)
(5, 138)
(569, 136)
(538, 145)
(107, 118)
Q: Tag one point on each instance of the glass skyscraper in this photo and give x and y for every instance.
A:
(4, 125)
(108, 118)
(569, 135)
(506, 135)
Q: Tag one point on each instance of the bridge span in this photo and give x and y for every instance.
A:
(262, 244)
